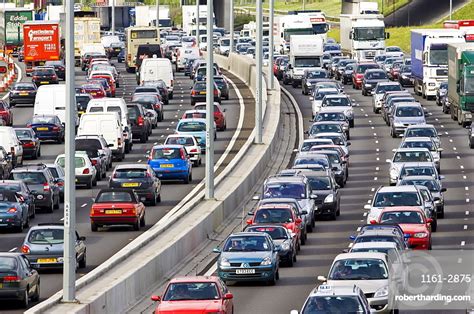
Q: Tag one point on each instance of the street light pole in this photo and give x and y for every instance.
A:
(258, 92)
(210, 104)
(231, 18)
(450, 9)
(197, 22)
(158, 19)
(69, 271)
(112, 28)
(271, 43)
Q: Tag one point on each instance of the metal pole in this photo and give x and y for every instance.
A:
(69, 271)
(271, 43)
(450, 9)
(210, 104)
(258, 93)
(158, 19)
(197, 22)
(231, 18)
(112, 27)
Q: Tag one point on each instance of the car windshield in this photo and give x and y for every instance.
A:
(358, 269)
(402, 217)
(43, 120)
(246, 244)
(333, 158)
(307, 62)
(276, 233)
(424, 144)
(432, 185)
(389, 199)
(319, 183)
(307, 145)
(333, 304)
(7, 264)
(54, 172)
(30, 177)
(330, 116)
(325, 128)
(336, 102)
(191, 291)
(193, 126)
(114, 197)
(387, 88)
(44, 72)
(363, 67)
(285, 190)
(79, 162)
(421, 132)
(409, 112)
(336, 139)
(185, 141)
(412, 156)
(273, 215)
(320, 95)
(144, 98)
(378, 75)
(317, 74)
(311, 161)
(166, 153)
(82, 100)
(24, 134)
(417, 171)
(46, 236)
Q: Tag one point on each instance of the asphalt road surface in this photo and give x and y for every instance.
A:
(103, 244)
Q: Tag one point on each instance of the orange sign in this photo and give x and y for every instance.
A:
(41, 41)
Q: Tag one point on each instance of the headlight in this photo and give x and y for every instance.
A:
(420, 235)
(60, 259)
(224, 262)
(285, 246)
(308, 84)
(266, 261)
(468, 115)
(393, 173)
(368, 85)
(404, 77)
(397, 124)
(382, 292)
(329, 199)
(349, 113)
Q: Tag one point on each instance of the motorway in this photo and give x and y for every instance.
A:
(103, 244)
(371, 146)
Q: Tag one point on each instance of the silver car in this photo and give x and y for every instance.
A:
(404, 155)
(403, 115)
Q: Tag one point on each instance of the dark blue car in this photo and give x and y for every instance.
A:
(171, 162)
(47, 128)
(12, 213)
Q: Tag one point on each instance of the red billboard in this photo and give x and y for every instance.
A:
(41, 41)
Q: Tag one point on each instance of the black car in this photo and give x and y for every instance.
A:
(161, 85)
(44, 76)
(311, 77)
(198, 93)
(22, 190)
(150, 101)
(371, 78)
(346, 76)
(140, 178)
(82, 100)
(121, 56)
(405, 77)
(30, 142)
(47, 128)
(223, 86)
(22, 93)
(40, 181)
(141, 126)
(59, 68)
(441, 92)
(19, 281)
(340, 68)
(188, 66)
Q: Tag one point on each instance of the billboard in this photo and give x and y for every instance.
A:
(41, 41)
(13, 26)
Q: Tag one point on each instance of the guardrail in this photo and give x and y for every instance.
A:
(10, 75)
(131, 273)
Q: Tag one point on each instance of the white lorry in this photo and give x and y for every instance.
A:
(147, 16)
(190, 16)
(363, 35)
(286, 26)
(306, 53)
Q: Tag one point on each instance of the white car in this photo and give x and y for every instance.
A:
(190, 144)
(425, 142)
(423, 130)
(318, 96)
(86, 172)
(404, 155)
(379, 91)
(342, 103)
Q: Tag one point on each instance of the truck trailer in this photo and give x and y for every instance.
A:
(41, 43)
(11, 27)
(86, 32)
(461, 82)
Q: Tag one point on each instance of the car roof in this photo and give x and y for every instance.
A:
(418, 139)
(425, 126)
(327, 122)
(194, 279)
(5, 182)
(47, 226)
(388, 83)
(192, 120)
(361, 255)
(328, 134)
(369, 245)
(291, 179)
(409, 149)
(419, 164)
(402, 208)
(419, 178)
(398, 188)
(131, 166)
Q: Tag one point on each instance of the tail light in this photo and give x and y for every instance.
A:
(215, 92)
(29, 144)
(85, 171)
(194, 150)
(56, 128)
(140, 121)
(46, 187)
(11, 210)
(183, 155)
(157, 106)
(94, 162)
(11, 279)
(54, 77)
(35, 77)
(60, 183)
(193, 93)
(119, 142)
(25, 249)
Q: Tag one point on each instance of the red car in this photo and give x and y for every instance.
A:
(95, 90)
(281, 214)
(109, 79)
(5, 113)
(358, 74)
(219, 114)
(395, 71)
(117, 207)
(413, 222)
(200, 294)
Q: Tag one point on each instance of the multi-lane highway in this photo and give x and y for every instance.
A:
(102, 245)
(371, 146)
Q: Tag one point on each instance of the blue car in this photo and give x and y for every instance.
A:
(47, 128)
(12, 213)
(171, 162)
(195, 127)
(248, 256)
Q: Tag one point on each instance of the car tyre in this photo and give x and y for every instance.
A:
(35, 297)
(143, 138)
(136, 225)
(89, 184)
(26, 299)
(94, 182)
(56, 205)
(94, 227)
(83, 262)
(291, 260)
(50, 208)
(153, 200)
(351, 123)
(143, 221)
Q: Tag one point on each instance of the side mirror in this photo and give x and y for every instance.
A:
(334, 168)
(256, 198)
(228, 296)
(367, 206)
(440, 150)
(348, 144)
(216, 250)
(277, 248)
(429, 220)
(388, 161)
(443, 189)
(436, 198)
(250, 213)
(298, 221)
(313, 196)
(373, 222)
(321, 278)
(303, 212)
(249, 221)
(155, 298)
(82, 238)
(311, 98)
(352, 237)
(345, 251)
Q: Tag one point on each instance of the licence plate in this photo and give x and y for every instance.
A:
(93, 94)
(244, 271)
(113, 211)
(1, 285)
(130, 184)
(166, 166)
(202, 93)
(42, 129)
(44, 82)
(46, 260)
(24, 94)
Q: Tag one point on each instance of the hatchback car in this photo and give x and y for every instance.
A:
(223, 86)
(219, 114)
(190, 144)
(6, 114)
(140, 124)
(82, 100)
(371, 78)
(59, 67)
(425, 130)
(405, 77)
(358, 74)
(342, 103)
(23, 193)
(194, 127)
(379, 90)
(94, 89)
(405, 155)
(171, 162)
(30, 142)
(404, 115)
(47, 128)
(310, 78)
(44, 76)
(22, 93)
(86, 172)
(43, 246)
(139, 178)
(13, 214)
(198, 93)
(248, 256)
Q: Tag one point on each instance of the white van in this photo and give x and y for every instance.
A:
(51, 100)
(154, 69)
(89, 48)
(184, 54)
(10, 142)
(109, 126)
(114, 105)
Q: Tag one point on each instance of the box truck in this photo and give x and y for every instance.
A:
(11, 27)
(41, 41)
(86, 32)
(306, 52)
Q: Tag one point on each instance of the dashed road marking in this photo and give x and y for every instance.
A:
(13, 250)
(84, 205)
(463, 243)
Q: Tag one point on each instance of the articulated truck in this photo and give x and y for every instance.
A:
(11, 27)
(461, 82)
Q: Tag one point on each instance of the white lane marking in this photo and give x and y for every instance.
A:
(465, 227)
(369, 201)
(167, 129)
(436, 119)
(84, 205)
(156, 143)
(376, 142)
(375, 178)
(139, 160)
(162, 135)
(13, 250)
(464, 177)
(377, 149)
(446, 133)
(442, 126)
(375, 134)
(377, 158)
(366, 115)
(454, 148)
(466, 188)
(450, 140)
(372, 127)
(372, 189)
(461, 166)
(365, 214)
(463, 243)
(370, 121)
(377, 168)
(62, 219)
(457, 157)
(211, 270)
(467, 200)
(362, 109)
(358, 229)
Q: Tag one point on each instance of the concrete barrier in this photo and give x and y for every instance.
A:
(130, 274)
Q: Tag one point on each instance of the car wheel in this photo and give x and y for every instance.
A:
(142, 221)
(36, 296)
(50, 208)
(338, 213)
(94, 182)
(351, 123)
(309, 227)
(94, 227)
(56, 205)
(89, 184)
(333, 215)
(127, 150)
(434, 225)
(83, 262)
(272, 282)
(303, 238)
(290, 261)
(153, 200)
(196, 163)
(136, 225)
(104, 173)
(20, 227)
(26, 299)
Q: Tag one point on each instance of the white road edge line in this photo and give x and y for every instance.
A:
(211, 270)
(13, 250)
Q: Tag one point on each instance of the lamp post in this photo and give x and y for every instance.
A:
(210, 104)
(258, 92)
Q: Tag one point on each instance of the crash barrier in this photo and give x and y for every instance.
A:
(7, 72)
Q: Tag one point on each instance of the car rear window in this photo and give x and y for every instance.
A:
(133, 112)
(114, 197)
(24, 134)
(166, 153)
(7, 264)
(180, 141)
(130, 173)
(46, 236)
(43, 119)
(30, 177)
(10, 187)
(44, 72)
(79, 161)
(192, 126)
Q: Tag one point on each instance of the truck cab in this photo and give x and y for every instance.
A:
(305, 54)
